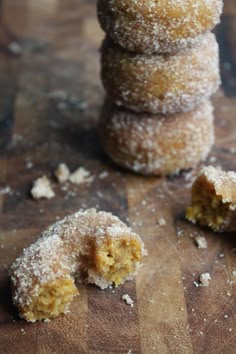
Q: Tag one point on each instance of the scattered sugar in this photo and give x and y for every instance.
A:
(65, 187)
(99, 194)
(15, 48)
(47, 320)
(128, 300)
(196, 284)
(180, 232)
(161, 222)
(42, 188)
(201, 241)
(232, 150)
(205, 279)
(103, 175)
(28, 163)
(5, 190)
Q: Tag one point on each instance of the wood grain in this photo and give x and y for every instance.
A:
(60, 41)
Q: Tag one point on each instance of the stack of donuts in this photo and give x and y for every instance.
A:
(159, 67)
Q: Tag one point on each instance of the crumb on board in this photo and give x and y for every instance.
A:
(205, 279)
(5, 190)
(234, 273)
(161, 222)
(62, 173)
(47, 320)
(201, 241)
(42, 188)
(196, 284)
(128, 300)
(80, 175)
(103, 175)
(15, 48)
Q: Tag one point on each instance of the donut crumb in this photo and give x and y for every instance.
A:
(201, 241)
(81, 175)
(205, 279)
(42, 188)
(128, 300)
(62, 173)
(161, 222)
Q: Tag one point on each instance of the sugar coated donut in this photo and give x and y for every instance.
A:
(93, 246)
(161, 84)
(155, 144)
(163, 26)
(214, 200)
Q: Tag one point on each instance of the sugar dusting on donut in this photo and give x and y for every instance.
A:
(224, 183)
(161, 83)
(76, 246)
(164, 26)
(214, 199)
(156, 144)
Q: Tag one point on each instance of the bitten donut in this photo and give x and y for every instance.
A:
(214, 200)
(155, 144)
(161, 84)
(163, 26)
(88, 245)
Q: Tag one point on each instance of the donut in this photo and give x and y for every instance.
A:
(156, 144)
(214, 200)
(90, 246)
(161, 83)
(163, 26)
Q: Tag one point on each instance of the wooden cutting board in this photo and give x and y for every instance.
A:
(59, 43)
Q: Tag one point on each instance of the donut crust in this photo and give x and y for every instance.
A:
(90, 246)
(156, 144)
(161, 83)
(163, 26)
(214, 200)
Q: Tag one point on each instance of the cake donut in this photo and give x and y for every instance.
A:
(161, 83)
(156, 144)
(163, 26)
(214, 200)
(90, 246)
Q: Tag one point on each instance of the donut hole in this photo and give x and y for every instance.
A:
(116, 259)
(207, 207)
(51, 300)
